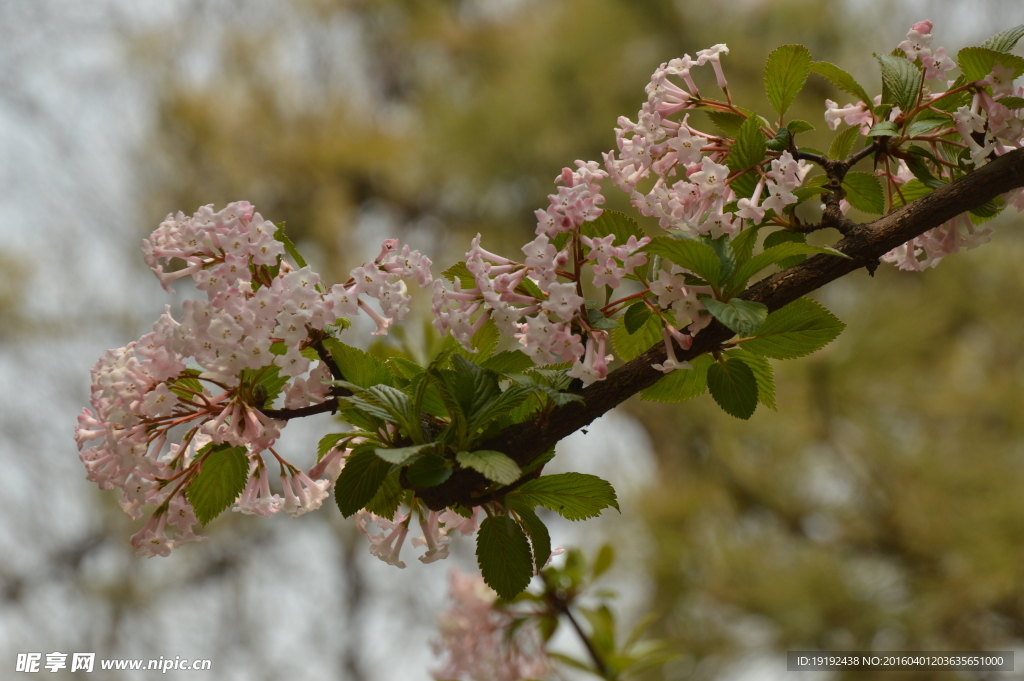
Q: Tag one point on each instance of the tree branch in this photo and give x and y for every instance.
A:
(864, 244)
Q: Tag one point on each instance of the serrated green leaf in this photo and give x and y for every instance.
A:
(497, 406)
(484, 341)
(186, 383)
(742, 316)
(763, 375)
(774, 255)
(636, 316)
(797, 127)
(631, 345)
(428, 471)
(1012, 103)
(385, 502)
(681, 384)
(912, 191)
(613, 222)
(841, 79)
(796, 330)
(864, 192)
(540, 539)
(328, 442)
(221, 478)
(778, 143)
(729, 123)
(508, 362)
(503, 555)
(693, 255)
(734, 387)
(358, 367)
(901, 81)
(785, 74)
(843, 143)
(783, 236)
(495, 466)
(884, 129)
(748, 149)
(597, 320)
(977, 62)
(574, 496)
(922, 126)
(362, 476)
(400, 455)
(459, 272)
(1005, 41)
(743, 245)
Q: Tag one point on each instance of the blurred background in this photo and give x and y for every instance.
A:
(879, 508)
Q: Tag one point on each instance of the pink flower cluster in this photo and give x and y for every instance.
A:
(437, 528)
(476, 638)
(201, 375)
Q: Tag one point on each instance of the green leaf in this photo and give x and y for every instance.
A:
(778, 143)
(742, 316)
(497, 406)
(279, 235)
(796, 330)
(901, 81)
(385, 502)
(459, 272)
(681, 384)
(362, 476)
(597, 320)
(694, 255)
(911, 191)
(1012, 103)
(604, 559)
(221, 478)
(774, 255)
(485, 340)
(613, 222)
(494, 466)
(1005, 41)
(503, 555)
(400, 455)
(631, 345)
(977, 62)
(734, 387)
(785, 74)
(729, 123)
(748, 150)
(186, 383)
(841, 79)
(763, 375)
(358, 367)
(884, 129)
(797, 127)
(574, 496)
(864, 192)
(922, 126)
(508, 362)
(428, 471)
(843, 143)
(540, 539)
(636, 316)
(783, 236)
(743, 245)
(328, 442)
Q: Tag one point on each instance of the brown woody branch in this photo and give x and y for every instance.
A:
(863, 243)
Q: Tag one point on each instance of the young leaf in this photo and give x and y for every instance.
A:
(796, 330)
(636, 316)
(358, 367)
(864, 192)
(1005, 41)
(494, 466)
(901, 79)
(742, 316)
(748, 150)
(841, 79)
(977, 62)
(574, 496)
(843, 143)
(613, 222)
(540, 539)
(220, 480)
(694, 255)
(681, 384)
(785, 74)
(427, 471)
(503, 555)
(508, 362)
(362, 476)
(400, 455)
(763, 375)
(734, 387)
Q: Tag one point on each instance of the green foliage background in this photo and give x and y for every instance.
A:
(878, 507)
